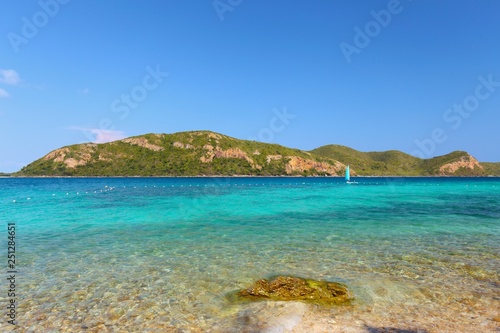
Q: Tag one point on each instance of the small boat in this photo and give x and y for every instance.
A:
(348, 176)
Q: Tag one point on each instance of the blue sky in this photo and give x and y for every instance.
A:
(419, 76)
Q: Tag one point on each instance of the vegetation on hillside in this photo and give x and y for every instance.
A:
(199, 153)
(491, 169)
(178, 154)
(392, 162)
(397, 163)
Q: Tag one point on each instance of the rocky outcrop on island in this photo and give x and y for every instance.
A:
(464, 163)
(298, 164)
(291, 288)
(72, 159)
(143, 142)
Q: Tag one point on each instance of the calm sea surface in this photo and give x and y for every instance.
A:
(162, 254)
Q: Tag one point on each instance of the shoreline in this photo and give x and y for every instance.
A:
(250, 176)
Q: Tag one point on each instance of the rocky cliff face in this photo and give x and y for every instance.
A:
(143, 142)
(298, 164)
(464, 164)
(72, 159)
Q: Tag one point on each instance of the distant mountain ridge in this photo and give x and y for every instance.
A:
(198, 153)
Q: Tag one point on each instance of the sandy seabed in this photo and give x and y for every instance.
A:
(140, 297)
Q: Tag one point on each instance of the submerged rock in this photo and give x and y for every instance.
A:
(290, 288)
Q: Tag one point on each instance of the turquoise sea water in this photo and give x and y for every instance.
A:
(162, 254)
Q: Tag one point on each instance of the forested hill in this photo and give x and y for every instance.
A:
(396, 163)
(180, 154)
(198, 153)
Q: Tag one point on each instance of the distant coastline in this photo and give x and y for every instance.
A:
(210, 154)
(241, 176)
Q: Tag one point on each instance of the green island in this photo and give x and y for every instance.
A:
(206, 153)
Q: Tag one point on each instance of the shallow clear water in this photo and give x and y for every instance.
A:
(161, 254)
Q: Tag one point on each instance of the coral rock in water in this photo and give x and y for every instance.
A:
(289, 288)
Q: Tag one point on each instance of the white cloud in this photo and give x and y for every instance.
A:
(3, 93)
(9, 76)
(103, 136)
(97, 135)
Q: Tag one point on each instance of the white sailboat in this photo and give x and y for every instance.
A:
(348, 176)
